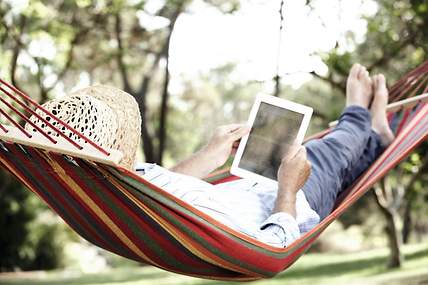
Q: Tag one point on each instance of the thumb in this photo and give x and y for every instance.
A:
(294, 149)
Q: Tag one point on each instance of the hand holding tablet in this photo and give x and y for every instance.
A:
(275, 125)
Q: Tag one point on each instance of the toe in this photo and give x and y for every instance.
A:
(360, 72)
(381, 86)
(380, 99)
(375, 82)
(355, 70)
(365, 78)
(368, 78)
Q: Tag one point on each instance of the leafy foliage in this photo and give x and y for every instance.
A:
(27, 242)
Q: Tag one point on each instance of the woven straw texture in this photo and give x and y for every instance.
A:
(106, 115)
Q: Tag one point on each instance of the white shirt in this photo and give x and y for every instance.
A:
(242, 204)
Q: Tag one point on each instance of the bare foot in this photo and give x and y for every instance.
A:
(358, 87)
(378, 110)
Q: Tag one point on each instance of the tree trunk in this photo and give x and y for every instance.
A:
(391, 230)
(163, 114)
(146, 138)
(407, 222)
(394, 239)
(162, 137)
(277, 91)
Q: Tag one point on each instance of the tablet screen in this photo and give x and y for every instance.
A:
(274, 130)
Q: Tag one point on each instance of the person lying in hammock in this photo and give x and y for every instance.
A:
(309, 179)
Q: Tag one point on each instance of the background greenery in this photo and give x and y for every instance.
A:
(105, 40)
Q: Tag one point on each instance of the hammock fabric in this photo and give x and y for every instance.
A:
(119, 211)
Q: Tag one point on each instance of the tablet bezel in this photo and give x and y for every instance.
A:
(279, 102)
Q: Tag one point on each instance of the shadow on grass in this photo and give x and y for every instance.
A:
(417, 254)
(107, 278)
(362, 267)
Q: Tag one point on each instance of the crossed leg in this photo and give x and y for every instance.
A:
(359, 138)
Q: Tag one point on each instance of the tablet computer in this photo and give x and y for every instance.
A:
(275, 124)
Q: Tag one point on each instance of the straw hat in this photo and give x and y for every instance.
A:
(108, 116)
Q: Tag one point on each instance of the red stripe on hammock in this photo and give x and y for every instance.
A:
(42, 195)
(403, 121)
(215, 237)
(74, 212)
(34, 169)
(83, 205)
(146, 228)
(226, 179)
(76, 178)
(277, 262)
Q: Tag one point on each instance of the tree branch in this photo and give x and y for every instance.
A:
(165, 95)
(141, 98)
(39, 77)
(120, 54)
(17, 48)
(339, 86)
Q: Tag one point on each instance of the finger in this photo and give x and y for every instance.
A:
(292, 151)
(232, 127)
(239, 133)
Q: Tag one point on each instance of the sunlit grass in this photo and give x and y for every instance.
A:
(357, 268)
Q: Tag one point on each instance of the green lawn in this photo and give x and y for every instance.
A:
(358, 268)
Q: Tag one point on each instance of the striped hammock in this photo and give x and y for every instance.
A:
(119, 211)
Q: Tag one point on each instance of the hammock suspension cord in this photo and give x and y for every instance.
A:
(13, 89)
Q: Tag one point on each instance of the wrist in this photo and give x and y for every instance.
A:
(210, 157)
(288, 194)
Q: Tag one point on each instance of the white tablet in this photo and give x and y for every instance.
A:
(275, 124)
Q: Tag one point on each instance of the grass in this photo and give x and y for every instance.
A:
(358, 268)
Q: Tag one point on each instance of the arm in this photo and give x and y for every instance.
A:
(293, 173)
(198, 165)
(222, 144)
(281, 228)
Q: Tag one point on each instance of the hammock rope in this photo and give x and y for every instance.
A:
(27, 99)
(119, 211)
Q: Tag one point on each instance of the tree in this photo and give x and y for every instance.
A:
(90, 37)
(397, 39)
(48, 47)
